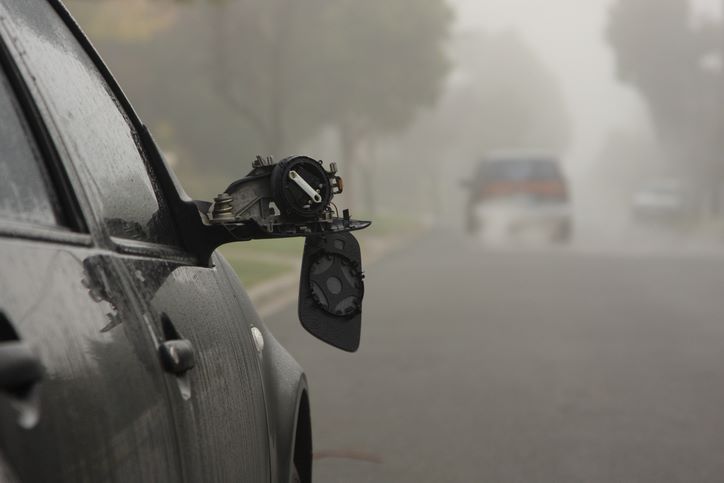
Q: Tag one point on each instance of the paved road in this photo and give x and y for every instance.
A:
(524, 366)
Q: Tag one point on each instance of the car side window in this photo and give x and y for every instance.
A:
(93, 126)
(26, 194)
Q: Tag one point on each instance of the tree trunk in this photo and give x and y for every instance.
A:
(222, 74)
(284, 22)
(349, 146)
(368, 178)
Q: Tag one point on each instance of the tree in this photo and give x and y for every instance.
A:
(134, 21)
(667, 58)
(379, 63)
(364, 68)
(500, 96)
(275, 72)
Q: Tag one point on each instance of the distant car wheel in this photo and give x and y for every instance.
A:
(563, 234)
(472, 225)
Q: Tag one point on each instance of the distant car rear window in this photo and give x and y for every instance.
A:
(518, 170)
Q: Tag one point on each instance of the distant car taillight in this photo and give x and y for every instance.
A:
(547, 190)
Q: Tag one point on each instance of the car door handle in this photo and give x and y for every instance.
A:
(20, 368)
(177, 356)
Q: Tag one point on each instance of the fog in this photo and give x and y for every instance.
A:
(566, 40)
(546, 185)
(569, 38)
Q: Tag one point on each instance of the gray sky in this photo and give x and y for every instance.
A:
(569, 37)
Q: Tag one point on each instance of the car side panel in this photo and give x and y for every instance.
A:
(283, 378)
(218, 405)
(101, 407)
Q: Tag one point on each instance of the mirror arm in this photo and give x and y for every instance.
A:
(211, 236)
(289, 198)
(198, 239)
(254, 204)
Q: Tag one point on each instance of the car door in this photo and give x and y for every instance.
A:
(218, 405)
(82, 397)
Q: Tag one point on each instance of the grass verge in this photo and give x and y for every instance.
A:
(253, 272)
(258, 261)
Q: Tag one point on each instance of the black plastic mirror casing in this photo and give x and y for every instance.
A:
(341, 331)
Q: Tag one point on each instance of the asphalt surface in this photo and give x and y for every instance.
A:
(524, 365)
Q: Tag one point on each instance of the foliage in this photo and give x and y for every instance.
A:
(500, 97)
(124, 20)
(230, 79)
(675, 64)
(382, 60)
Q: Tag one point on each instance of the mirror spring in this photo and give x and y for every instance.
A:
(223, 209)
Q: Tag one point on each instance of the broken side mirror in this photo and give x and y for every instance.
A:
(293, 198)
(331, 289)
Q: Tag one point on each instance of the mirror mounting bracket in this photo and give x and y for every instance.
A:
(289, 198)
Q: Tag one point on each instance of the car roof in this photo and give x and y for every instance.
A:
(519, 155)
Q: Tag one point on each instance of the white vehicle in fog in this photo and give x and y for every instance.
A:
(662, 201)
(519, 196)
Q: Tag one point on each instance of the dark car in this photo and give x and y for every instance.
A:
(129, 351)
(514, 195)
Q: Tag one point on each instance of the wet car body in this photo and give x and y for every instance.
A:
(518, 196)
(98, 280)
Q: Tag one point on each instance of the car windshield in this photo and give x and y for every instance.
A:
(518, 170)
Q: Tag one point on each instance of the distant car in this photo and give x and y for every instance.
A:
(129, 350)
(662, 201)
(519, 195)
